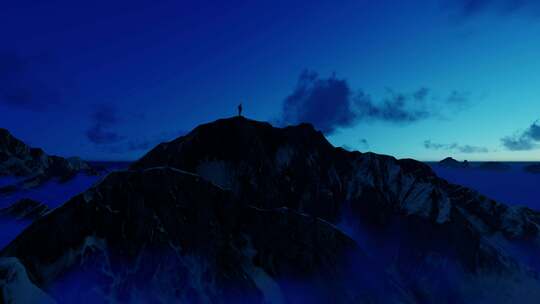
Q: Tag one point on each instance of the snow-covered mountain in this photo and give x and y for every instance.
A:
(32, 165)
(240, 211)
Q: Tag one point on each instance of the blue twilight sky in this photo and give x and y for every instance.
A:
(424, 79)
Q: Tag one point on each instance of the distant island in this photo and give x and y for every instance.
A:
(34, 165)
(450, 162)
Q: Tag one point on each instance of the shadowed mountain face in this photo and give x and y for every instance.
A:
(142, 229)
(260, 163)
(240, 211)
(296, 167)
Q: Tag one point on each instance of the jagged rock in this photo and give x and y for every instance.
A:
(449, 162)
(398, 200)
(26, 209)
(18, 159)
(175, 225)
(240, 203)
(16, 287)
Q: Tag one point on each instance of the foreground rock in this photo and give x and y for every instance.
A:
(399, 209)
(164, 226)
(25, 209)
(18, 159)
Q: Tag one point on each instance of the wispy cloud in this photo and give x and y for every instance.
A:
(330, 104)
(104, 119)
(30, 82)
(470, 8)
(525, 140)
(396, 107)
(102, 132)
(326, 103)
(454, 147)
(364, 143)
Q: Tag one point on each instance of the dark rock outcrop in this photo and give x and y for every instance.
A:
(18, 159)
(25, 209)
(401, 201)
(449, 162)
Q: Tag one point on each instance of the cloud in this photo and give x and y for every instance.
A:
(469, 8)
(534, 131)
(518, 143)
(145, 144)
(396, 108)
(99, 135)
(523, 140)
(324, 102)
(104, 118)
(454, 147)
(29, 83)
(329, 104)
(137, 145)
(148, 143)
(458, 100)
(364, 143)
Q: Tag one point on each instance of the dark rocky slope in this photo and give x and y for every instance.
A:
(298, 168)
(141, 229)
(401, 202)
(24, 209)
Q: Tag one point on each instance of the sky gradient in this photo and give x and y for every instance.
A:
(422, 79)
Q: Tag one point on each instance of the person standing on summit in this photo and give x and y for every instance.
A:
(240, 110)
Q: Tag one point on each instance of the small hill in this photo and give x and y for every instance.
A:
(450, 162)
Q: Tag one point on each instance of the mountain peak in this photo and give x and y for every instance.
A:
(242, 126)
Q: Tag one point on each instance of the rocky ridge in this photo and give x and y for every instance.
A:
(21, 160)
(251, 212)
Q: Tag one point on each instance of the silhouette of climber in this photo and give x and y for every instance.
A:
(239, 110)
